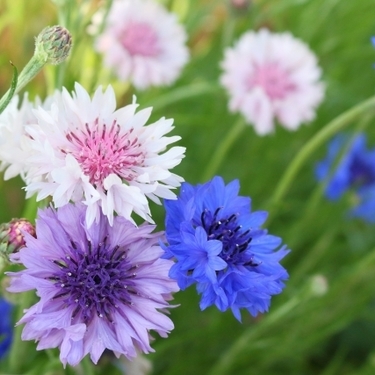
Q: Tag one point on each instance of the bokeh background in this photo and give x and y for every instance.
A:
(324, 321)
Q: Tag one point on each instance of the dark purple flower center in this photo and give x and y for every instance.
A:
(234, 238)
(95, 280)
(361, 173)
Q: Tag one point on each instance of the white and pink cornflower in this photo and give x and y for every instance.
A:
(144, 43)
(103, 287)
(272, 77)
(84, 149)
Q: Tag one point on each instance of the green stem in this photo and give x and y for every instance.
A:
(336, 125)
(31, 69)
(19, 348)
(87, 366)
(30, 209)
(181, 93)
(223, 366)
(223, 148)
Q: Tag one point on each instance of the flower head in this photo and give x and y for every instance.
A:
(218, 244)
(53, 44)
(102, 287)
(84, 149)
(142, 42)
(272, 77)
(12, 235)
(350, 165)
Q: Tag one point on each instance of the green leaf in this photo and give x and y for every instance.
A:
(9, 95)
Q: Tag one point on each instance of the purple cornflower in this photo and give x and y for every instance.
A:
(102, 287)
(219, 245)
(354, 169)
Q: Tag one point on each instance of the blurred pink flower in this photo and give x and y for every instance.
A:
(143, 42)
(272, 77)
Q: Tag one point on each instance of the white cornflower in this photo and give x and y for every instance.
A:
(86, 150)
(13, 150)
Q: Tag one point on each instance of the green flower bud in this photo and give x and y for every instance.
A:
(54, 44)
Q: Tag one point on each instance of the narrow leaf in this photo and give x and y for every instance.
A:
(8, 96)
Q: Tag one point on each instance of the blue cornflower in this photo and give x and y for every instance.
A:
(218, 244)
(6, 326)
(355, 170)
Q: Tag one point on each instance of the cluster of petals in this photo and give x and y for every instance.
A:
(103, 287)
(13, 148)
(272, 77)
(350, 165)
(144, 43)
(83, 149)
(218, 244)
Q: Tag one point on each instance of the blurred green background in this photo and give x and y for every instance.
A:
(324, 321)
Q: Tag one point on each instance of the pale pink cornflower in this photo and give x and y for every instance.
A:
(144, 43)
(86, 150)
(272, 77)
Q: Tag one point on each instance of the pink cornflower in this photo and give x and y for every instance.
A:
(86, 150)
(272, 77)
(143, 42)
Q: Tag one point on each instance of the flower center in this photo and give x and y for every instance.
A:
(139, 38)
(95, 280)
(106, 151)
(235, 240)
(361, 173)
(274, 80)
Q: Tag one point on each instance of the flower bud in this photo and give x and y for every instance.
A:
(11, 235)
(54, 44)
(319, 285)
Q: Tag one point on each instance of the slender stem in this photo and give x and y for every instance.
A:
(223, 148)
(288, 310)
(181, 93)
(88, 366)
(336, 125)
(19, 348)
(30, 209)
(97, 60)
(224, 364)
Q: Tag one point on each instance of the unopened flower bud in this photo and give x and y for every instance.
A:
(55, 42)
(12, 235)
(52, 46)
(319, 285)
